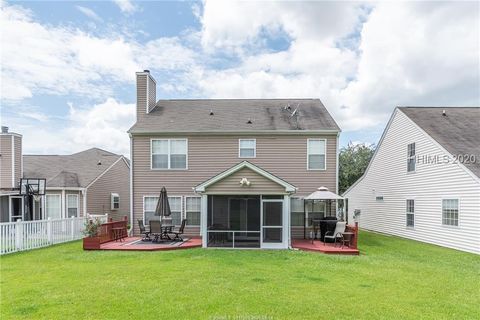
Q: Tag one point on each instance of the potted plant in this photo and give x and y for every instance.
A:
(91, 241)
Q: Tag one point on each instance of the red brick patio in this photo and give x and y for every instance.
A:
(318, 246)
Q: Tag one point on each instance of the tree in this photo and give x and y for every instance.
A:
(353, 161)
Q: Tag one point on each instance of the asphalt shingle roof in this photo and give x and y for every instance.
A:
(75, 170)
(234, 114)
(458, 131)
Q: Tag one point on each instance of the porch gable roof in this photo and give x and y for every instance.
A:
(245, 164)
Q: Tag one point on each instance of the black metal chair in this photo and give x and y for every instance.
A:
(156, 230)
(143, 230)
(179, 232)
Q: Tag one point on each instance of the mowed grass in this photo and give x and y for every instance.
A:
(393, 278)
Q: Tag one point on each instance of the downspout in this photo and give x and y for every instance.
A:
(131, 181)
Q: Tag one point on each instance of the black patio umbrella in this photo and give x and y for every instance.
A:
(163, 207)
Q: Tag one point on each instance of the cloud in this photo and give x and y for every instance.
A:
(89, 13)
(126, 6)
(61, 60)
(102, 125)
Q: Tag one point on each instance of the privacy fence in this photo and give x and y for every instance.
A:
(27, 235)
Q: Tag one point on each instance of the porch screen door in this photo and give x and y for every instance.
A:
(272, 224)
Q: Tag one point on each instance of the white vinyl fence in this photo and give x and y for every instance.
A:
(27, 235)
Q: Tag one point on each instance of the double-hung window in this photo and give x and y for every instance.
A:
(72, 205)
(411, 157)
(410, 209)
(115, 201)
(450, 212)
(247, 148)
(192, 210)
(176, 209)
(316, 154)
(297, 212)
(169, 154)
(149, 206)
(53, 206)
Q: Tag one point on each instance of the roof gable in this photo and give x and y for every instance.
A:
(286, 187)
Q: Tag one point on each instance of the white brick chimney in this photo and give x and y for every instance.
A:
(146, 93)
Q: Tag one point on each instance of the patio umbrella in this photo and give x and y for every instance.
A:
(163, 207)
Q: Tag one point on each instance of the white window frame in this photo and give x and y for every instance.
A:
(156, 196)
(46, 203)
(302, 212)
(254, 148)
(409, 213)
(169, 153)
(112, 201)
(199, 211)
(412, 157)
(308, 153)
(10, 209)
(458, 212)
(77, 204)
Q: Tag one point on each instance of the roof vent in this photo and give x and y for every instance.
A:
(4, 129)
(99, 163)
(444, 113)
(147, 71)
(211, 112)
(249, 121)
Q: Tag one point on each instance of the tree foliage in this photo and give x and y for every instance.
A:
(353, 161)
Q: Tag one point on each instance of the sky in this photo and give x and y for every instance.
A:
(68, 68)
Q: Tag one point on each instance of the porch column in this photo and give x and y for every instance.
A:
(203, 219)
(286, 219)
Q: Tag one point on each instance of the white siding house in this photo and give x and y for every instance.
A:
(437, 203)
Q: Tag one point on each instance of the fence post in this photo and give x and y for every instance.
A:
(49, 230)
(72, 231)
(19, 235)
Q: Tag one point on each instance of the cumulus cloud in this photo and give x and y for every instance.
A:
(102, 125)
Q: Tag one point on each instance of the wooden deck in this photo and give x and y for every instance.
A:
(318, 246)
(135, 244)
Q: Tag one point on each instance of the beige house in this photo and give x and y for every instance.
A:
(237, 170)
(93, 181)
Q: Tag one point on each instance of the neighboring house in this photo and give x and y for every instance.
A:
(234, 168)
(94, 181)
(423, 182)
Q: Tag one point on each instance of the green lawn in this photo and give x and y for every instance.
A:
(392, 279)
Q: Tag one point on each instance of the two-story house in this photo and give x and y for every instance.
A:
(236, 169)
(423, 182)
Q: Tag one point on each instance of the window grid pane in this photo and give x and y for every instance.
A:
(316, 147)
(450, 212)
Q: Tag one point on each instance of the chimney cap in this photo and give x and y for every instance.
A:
(146, 70)
(4, 129)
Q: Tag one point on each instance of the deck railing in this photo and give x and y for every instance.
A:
(27, 235)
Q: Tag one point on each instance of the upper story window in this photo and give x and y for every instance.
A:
(316, 154)
(450, 212)
(169, 154)
(115, 201)
(411, 157)
(247, 148)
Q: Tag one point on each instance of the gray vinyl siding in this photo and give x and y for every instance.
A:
(430, 183)
(283, 156)
(115, 180)
(6, 161)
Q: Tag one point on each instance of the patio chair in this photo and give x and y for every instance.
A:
(143, 230)
(179, 232)
(337, 234)
(155, 230)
